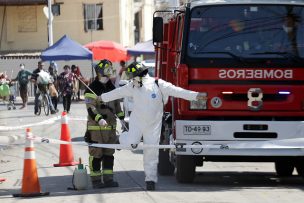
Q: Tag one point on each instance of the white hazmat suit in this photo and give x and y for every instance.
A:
(146, 117)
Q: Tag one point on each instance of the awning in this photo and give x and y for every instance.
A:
(21, 2)
(66, 49)
(20, 55)
(145, 48)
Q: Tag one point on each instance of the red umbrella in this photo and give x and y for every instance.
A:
(108, 50)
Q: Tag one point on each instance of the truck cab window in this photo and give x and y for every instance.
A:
(264, 31)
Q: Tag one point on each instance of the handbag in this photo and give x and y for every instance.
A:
(53, 91)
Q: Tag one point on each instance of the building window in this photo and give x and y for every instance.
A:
(56, 9)
(93, 17)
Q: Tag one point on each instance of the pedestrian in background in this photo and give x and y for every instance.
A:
(66, 85)
(53, 88)
(122, 71)
(23, 80)
(76, 71)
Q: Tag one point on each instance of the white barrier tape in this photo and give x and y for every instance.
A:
(45, 122)
(296, 143)
(75, 118)
(10, 139)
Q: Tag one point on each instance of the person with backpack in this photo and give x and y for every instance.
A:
(23, 80)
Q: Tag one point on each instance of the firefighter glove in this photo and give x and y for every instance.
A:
(201, 96)
(102, 122)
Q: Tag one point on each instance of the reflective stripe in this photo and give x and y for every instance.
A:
(107, 172)
(100, 65)
(97, 127)
(90, 95)
(29, 155)
(120, 114)
(64, 119)
(97, 117)
(95, 173)
(92, 172)
(91, 163)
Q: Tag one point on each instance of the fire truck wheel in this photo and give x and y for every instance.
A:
(185, 168)
(300, 169)
(165, 167)
(284, 168)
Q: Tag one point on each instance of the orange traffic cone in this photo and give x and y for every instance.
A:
(66, 157)
(30, 181)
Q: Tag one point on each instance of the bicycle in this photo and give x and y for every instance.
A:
(43, 100)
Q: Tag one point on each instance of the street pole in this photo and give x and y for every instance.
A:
(50, 23)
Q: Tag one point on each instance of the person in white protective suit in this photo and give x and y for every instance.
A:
(146, 117)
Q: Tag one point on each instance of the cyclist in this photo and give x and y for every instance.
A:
(39, 76)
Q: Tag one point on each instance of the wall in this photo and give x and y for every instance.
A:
(18, 33)
(118, 25)
(147, 20)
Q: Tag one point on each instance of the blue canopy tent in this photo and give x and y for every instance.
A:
(66, 49)
(143, 48)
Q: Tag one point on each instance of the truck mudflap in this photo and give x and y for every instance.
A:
(239, 138)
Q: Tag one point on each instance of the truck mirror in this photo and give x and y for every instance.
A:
(157, 29)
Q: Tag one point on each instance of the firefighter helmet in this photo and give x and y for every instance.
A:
(136, 69)
(104, 68)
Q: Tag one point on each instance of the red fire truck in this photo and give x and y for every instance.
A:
(248, 56)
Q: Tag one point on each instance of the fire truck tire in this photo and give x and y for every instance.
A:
(185, 168)
(165, 167)
(284, 168)
(300, 169)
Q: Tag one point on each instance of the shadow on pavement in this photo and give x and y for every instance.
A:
(133, 181)
(81, 139)
(77, 139)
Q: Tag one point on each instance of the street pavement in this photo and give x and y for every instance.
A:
(215, 182)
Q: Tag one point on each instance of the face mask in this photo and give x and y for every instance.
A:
(137, 81)
(22, 67)
(104, 80)
(287, 29)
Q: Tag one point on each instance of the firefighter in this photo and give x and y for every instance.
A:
(149, 96)
(101, 126)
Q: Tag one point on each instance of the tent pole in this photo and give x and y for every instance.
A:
(92, 65)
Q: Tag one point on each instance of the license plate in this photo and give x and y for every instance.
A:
(197, 129)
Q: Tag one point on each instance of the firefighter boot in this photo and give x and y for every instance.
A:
(108, 181)
(107, 169)
(150, 185)
(96, 182)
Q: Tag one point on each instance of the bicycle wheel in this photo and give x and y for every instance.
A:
(46, 105)
(39, 107)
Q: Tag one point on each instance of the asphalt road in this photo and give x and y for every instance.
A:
(215, 182)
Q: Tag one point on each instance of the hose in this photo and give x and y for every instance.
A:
(122, 123)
